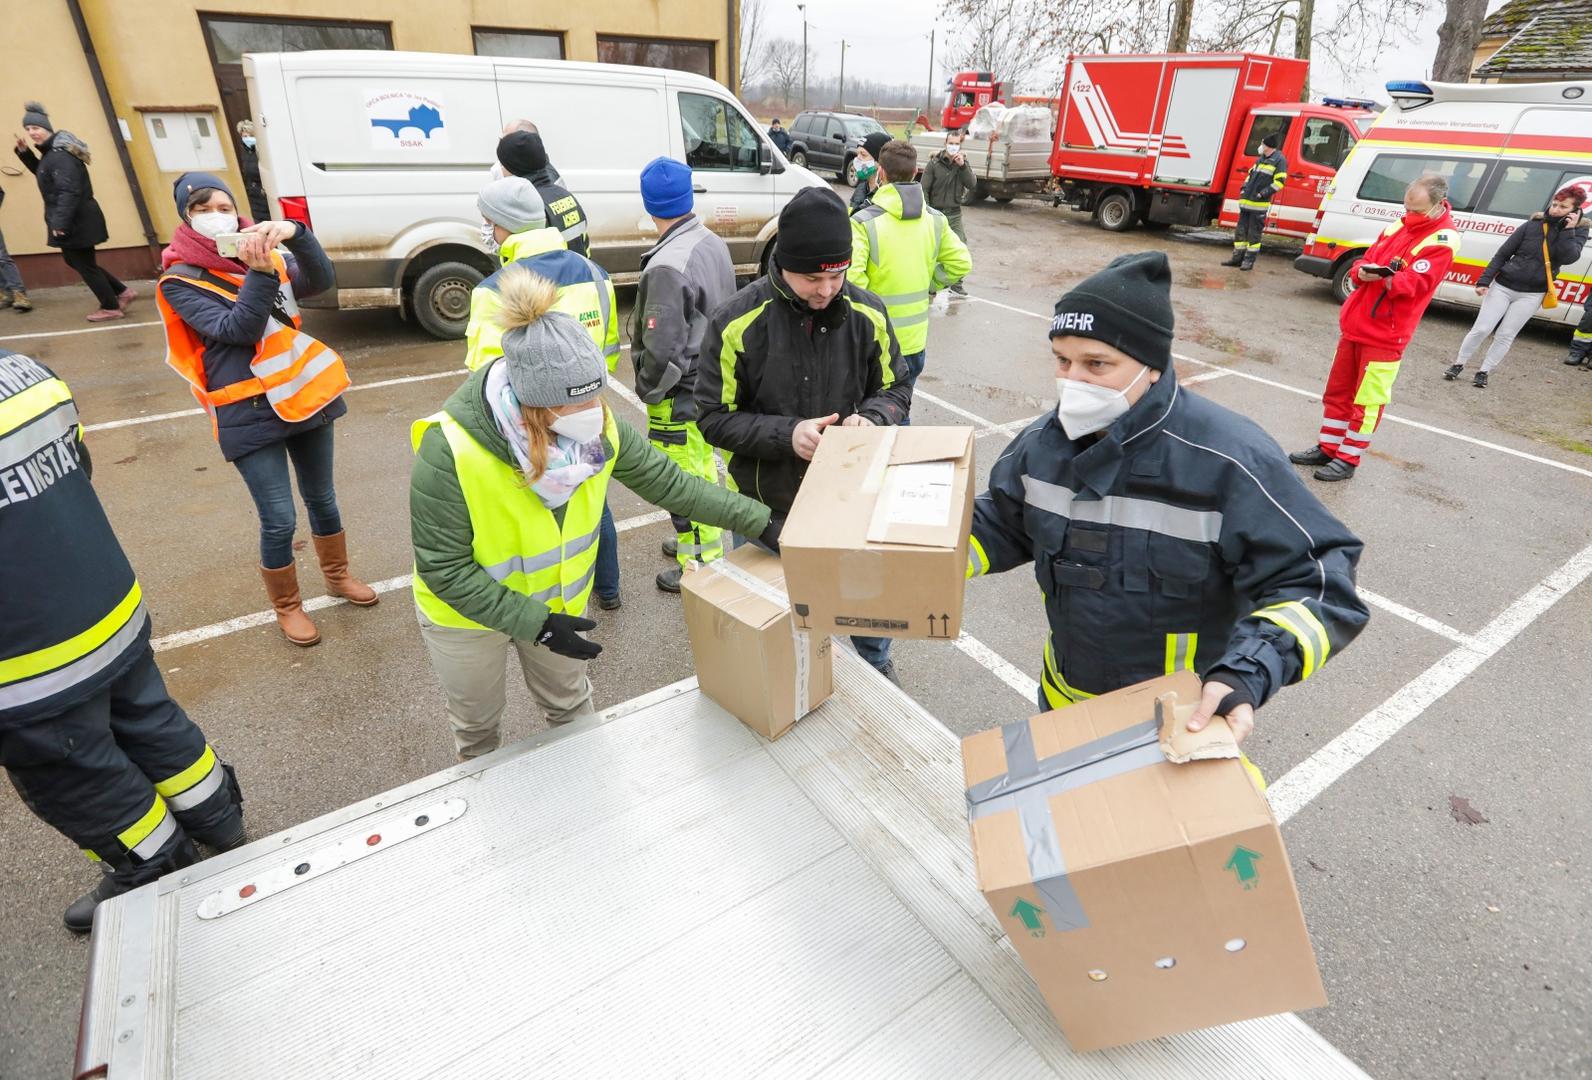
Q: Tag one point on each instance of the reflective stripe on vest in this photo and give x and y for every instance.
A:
(298, 374)
(516, 539)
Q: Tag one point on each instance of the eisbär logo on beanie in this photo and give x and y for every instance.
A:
(585, 388)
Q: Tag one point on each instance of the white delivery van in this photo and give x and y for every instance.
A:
(382, 154)
(1504, 149)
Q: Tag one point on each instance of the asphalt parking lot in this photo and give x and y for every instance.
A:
(1432, 779)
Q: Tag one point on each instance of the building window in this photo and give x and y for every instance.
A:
(229, 38)
(525, 44)
(693, 56)
(717, 137)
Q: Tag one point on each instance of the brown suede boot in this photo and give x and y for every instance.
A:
(333, 553)
(282, 587)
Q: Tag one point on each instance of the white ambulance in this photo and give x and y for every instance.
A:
(1504, 149)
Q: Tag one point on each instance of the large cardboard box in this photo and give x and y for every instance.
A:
(876, 542)
(750, 658)
(1144, 897)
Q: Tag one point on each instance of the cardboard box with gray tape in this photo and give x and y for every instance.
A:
(1144, 897)
(876, 542)
(750, 657)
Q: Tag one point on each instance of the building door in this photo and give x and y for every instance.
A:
(230, 37)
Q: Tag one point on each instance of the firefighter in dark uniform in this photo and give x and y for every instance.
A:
(1167, 533)
(1267, 176)
(88, 734)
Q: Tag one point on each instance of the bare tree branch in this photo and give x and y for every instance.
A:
(754, 50)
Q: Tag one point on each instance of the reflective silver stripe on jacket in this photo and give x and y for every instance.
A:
(522, 564)
(1200, 526)
(82, 669)
(35, 434)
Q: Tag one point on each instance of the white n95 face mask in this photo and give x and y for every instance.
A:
(213, 224)
(1084, 408)
(582, 427)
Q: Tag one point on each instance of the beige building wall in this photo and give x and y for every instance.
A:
(154, 55)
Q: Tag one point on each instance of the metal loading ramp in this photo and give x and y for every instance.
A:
(654, 892)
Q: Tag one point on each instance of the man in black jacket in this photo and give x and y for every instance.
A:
(521, 153)
(791, 354)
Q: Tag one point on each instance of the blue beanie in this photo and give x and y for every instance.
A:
(190, 182)
(666, 188)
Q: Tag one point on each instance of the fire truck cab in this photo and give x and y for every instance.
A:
(966, 93)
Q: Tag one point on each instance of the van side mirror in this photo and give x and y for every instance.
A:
(765, 159)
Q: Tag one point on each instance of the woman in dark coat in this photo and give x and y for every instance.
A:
(72, 218)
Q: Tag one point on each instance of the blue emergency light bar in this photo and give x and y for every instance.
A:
(1409, 87)
(1348, 103)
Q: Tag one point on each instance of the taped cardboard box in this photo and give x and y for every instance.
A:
(750, 658)
(876, 541)
(1144, 898)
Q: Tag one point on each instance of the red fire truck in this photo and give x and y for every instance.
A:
(966, 94)
(1167, 139)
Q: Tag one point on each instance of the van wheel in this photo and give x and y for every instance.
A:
(1343, 279)
(799, 158)
(1115, 212)
(441, 299)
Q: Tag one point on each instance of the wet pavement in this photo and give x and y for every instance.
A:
(1450, 946)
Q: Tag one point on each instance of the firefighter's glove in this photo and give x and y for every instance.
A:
(561, 634)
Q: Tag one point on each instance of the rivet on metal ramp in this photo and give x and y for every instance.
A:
(422, 820)
(373, 839)
(246, 892)
(301, 869)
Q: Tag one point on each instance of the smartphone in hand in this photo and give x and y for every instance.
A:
(227, 245)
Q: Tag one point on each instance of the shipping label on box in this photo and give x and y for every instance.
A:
(876, 541)
(750, 657)
(1145, 898)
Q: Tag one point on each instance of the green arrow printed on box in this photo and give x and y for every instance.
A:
(1242, 863)
(1031, 914)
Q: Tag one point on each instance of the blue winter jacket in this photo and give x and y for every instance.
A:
(232, 331)
(1178, 538)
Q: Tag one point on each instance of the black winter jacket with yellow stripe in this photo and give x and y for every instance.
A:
(768, 362)
(1178, 538)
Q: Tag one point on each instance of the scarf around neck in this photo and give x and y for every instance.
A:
(569, 463)
(189, 245)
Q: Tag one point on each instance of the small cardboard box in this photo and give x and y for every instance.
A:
(750, 658)
(1144, 898)
(876, 542)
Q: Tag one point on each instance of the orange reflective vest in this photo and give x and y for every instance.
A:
(298, 375)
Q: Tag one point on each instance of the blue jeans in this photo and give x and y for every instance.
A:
(914, 363)
(875, 650)
(607, 583)
(10, 277)
(265, 472)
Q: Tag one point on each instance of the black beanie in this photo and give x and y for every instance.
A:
(1274, 140)
(875, 143)
(521, 153)
(1128, 305)
(814, 233)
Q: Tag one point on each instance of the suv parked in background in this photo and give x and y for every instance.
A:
(828, 141)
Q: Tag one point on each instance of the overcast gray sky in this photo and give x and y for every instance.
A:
(889, 41)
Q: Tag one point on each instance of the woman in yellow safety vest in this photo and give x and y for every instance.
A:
(272, 391)
(505, 502)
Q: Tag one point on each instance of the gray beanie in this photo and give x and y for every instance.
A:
(550, 356)
(513, 203)
(33, 115)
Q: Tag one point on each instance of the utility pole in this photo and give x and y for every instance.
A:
(803, 9)
(842, 105)
(928, 102)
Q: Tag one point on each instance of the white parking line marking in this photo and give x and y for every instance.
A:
(1426, 622)
(999, 666)
(1320, 770)
(1316, 396)
(986, 427)
(265, 618)
(84, 330)
(154, 417)
(1206, 376)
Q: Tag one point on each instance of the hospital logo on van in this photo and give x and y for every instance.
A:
(404, 120)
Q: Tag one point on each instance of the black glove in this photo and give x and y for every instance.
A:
(769, 537)
(561, 634)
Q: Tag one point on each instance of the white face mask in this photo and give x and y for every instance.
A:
(213, 224)
(1084, 408)
(582, 427)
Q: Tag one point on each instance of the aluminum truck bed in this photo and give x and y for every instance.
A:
(654, 892)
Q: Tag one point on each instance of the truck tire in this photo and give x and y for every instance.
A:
(1004, 199)
(440, 299)
(799, 158)
(979, 193)
(1115, 212)
(1343, 282)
